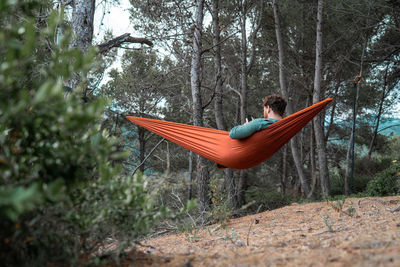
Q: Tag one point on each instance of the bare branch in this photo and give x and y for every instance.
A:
(154, 148)
(124, 38)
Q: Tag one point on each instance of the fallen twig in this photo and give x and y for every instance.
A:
(396, 209)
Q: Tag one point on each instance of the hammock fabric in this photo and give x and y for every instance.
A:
(216, 145)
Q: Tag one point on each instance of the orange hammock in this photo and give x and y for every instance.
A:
(216, 145)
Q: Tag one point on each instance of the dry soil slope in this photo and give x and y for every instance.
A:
(314, 234)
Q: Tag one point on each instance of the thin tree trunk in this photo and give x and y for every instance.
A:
(203, 175)
(242, 184)
(144, 160)
(243, 58)
(312, 161)
(284, 170)
(378, 116)
(350, 149)
(319, 121)
(245, 68)
(219, 118)
(190, 175)
(168, 167)
(142, 146)
(293, 143)
(328, 131)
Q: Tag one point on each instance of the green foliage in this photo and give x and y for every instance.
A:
(359, 184)
(386, 182)
(220, 209)
(268, 200)
(123, 209)
(57, 198)
(47, 142)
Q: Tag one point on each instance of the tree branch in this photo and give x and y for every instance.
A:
(124, 38)
(151, 152)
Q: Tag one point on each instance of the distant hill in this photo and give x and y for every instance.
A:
(389, 126)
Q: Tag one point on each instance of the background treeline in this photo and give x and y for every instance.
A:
(68, 155)
(214, 61)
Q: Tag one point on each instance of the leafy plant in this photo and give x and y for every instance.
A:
(220, 209)
(328, 222)
(268, 200)
(60, 193)
(386, 182)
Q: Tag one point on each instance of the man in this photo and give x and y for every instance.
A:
(274, 107)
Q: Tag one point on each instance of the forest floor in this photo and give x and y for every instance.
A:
(362, 232)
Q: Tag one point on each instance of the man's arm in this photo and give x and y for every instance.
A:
(246, 130)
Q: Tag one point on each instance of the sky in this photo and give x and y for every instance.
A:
(116, 19)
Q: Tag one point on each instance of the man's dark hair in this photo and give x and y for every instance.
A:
(276, 102)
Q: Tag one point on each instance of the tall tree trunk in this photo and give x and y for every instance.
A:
(243, 57)
(378, 116)
(82, 23)
(284, 170)
(319, 121)
(245, 69)
(168, 167)
(332, 116)
(312, 161)
(350, 149)
(82, 27)
(142, 147)
(282, 80)
(242, 184)
(219, 118)
(190, 175)
(203, 175)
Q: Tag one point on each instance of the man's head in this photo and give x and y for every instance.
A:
(274, 106)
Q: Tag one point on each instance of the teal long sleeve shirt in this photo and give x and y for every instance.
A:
(245, 130)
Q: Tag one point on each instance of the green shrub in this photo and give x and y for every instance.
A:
(386, 182)
(221, 210)
(60, 196)
(337, 184)
(267, 200)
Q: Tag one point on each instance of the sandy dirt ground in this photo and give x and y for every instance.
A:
(362, 232)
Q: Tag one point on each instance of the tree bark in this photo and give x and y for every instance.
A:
(319, 121)
(82, 23)
(190, 175)
(350, 149)
(219, 118)
(243, 57)
(378, 116)
(245, 68)
(82, 28)
(124, 38)
(284, 170)
(242, 183)
(312, 161)
(230, 185)
(142, 146)
(282, 80)
(203, 175)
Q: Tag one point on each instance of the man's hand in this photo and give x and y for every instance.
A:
(248, 120)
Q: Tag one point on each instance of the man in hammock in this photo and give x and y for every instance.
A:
(274, 107)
